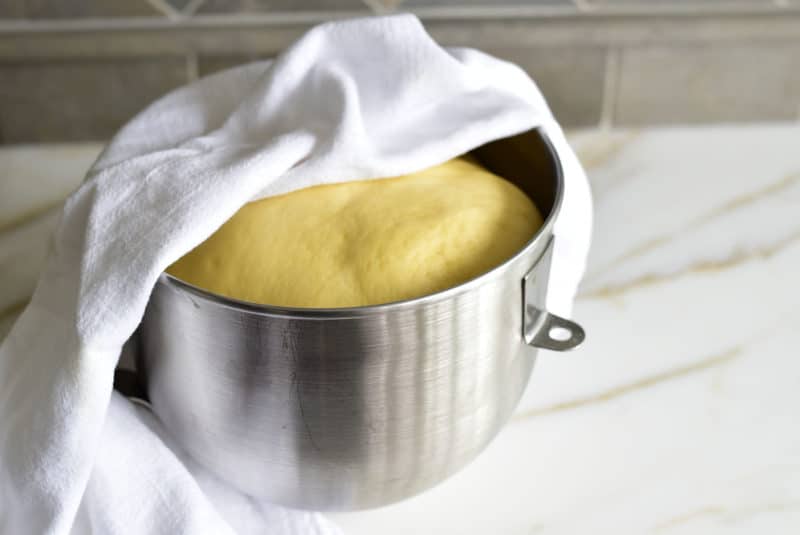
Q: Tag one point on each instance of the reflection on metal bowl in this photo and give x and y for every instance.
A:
(346, 409)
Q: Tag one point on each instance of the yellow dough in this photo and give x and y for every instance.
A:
(366, 242)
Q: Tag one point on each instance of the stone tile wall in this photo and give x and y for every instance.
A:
(77, 70)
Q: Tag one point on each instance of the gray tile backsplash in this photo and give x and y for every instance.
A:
(79, 100)
(77, 70)
(210, 64)
(76, 9)
(250, 6)
(179, 5)
(12, 9)
(571, 79)
(682, 4)
(481, 3)
(708, 83)
(222, 6)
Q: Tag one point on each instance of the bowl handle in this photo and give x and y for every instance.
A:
(540, 328)
(548, 331)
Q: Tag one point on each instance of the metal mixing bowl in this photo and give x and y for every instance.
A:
(346, 409)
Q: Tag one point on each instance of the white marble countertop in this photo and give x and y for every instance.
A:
(680, 414)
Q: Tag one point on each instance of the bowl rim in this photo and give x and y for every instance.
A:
(542, 233)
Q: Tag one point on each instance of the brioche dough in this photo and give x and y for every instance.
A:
(365, 242)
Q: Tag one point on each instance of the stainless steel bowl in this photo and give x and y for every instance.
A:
(346, 409)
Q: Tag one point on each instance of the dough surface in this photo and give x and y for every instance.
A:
(366, 242)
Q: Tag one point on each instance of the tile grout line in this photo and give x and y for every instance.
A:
(583, 5)
(191, 7)
(165, 9)
(610, 87)
(378, 7)
(383, 7)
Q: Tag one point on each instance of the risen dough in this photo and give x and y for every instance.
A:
(366, 242)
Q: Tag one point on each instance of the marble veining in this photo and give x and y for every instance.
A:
(680, 413)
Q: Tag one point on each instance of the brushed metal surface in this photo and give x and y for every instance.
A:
(346, 409)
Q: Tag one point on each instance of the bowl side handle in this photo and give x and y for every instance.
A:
(540, 328)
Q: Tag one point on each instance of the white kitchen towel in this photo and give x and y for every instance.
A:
(350, 100)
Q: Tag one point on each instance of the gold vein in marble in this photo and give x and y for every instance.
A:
(596, 154)
(689, 517)
(622, 390)
(725, 512)
(709, 266)
(592, 159)
(730, 206)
